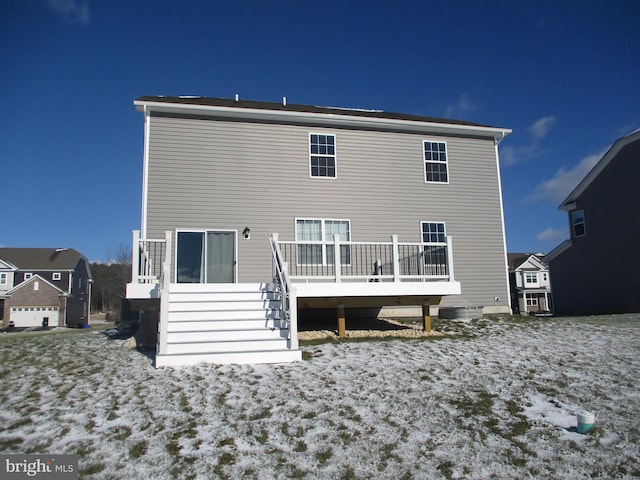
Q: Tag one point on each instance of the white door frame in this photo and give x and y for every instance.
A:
(205, 231)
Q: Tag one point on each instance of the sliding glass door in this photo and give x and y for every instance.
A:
(206, 257)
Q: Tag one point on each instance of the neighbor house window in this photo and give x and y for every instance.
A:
(530, 278)
(3, 278)
(434, 256)
(57, 276)
(577, 222)
(322, 155)
(532, 300)
(314, 231)
(27, 276)
(435, 162)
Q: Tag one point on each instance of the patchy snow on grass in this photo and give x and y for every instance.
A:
(495, 398)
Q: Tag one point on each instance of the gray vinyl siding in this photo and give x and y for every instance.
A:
(228, 175)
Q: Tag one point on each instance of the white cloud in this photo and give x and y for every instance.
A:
(511, 155)
(552, 234)
(564, 181)
(540, 128)
(463, 107)
(72, 11)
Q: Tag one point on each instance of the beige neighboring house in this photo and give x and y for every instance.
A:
(44, 287)
(530, 283)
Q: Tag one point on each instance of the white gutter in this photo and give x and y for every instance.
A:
(145, 171)
(330, 119)
(504, 232)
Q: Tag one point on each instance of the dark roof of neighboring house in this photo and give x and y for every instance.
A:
(291, 107)
(41, 258)
(517, 259)
(599, 167)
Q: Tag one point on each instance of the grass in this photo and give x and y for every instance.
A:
(459, 407)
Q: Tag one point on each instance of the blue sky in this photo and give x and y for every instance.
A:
(563, 75)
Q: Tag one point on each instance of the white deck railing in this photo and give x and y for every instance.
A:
(394, 261)
(148, 258)
(309, 261)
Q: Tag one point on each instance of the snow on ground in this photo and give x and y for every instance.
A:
(496, 398)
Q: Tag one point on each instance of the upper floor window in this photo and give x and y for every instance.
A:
(530, 278)
(57, 276)
(435, 162)
(577, 223)
(27, 276)
(3, 278)
(322, 155)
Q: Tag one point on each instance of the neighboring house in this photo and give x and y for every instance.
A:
(44, 286)
(594, 271)
(530, 283)
(255, 210)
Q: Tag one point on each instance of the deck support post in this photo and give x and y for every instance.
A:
(426, 318)
(341, 321)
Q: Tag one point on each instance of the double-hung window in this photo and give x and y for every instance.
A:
(310, 234)
(435, 162)
(435, 252)
(322, 155)
(530, 278)
(577, 223)
(532, 300)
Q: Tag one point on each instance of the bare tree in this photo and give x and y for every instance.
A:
(110, 280)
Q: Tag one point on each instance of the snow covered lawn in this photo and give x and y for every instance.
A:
(495, 399)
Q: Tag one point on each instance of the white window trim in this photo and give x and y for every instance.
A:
(422, 222)
(425, 161)
(432, 268)
(531, 299)
(335, 158)
(534, 275)
(323, 235)
(573, 224)
(56, 276)
(27, 276)
(4, 278)
(205, 230)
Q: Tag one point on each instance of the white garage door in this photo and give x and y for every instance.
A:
(33, 316)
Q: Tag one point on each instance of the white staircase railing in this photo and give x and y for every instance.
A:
(288, 300)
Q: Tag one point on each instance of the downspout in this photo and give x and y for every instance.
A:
(145, 171)
(504, 231)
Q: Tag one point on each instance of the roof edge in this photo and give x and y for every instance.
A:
(306, 113)
(598, 168)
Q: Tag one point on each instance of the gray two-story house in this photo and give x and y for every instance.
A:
(594, 271)
(44, 287)
(254, 211)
